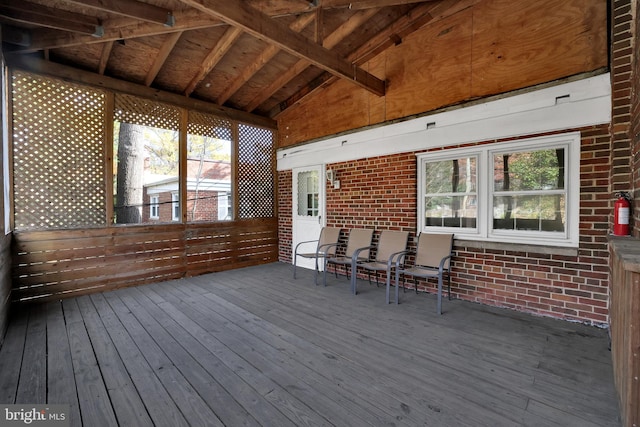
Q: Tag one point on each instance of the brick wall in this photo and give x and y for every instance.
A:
(380, 193)
(635, 113)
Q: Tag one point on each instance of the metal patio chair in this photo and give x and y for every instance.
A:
(432, 260)
(391, 245)
(357, 251)
(325, 247)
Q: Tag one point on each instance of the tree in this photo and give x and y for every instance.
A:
(129, 187)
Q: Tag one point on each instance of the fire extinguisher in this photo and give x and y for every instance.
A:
(621, 215)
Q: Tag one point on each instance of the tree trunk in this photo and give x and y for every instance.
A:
(129, 190)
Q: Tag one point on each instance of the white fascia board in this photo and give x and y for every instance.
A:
(580, 103)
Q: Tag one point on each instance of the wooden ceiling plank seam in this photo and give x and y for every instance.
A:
(104, 57)
(261, 26)
(162, 56)
(187, 20)
(130, 8)
(67, 73)
(330, 41)
(265, 56)
(415, 19)
(214, 56)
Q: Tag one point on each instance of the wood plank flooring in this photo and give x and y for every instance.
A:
(253, 347)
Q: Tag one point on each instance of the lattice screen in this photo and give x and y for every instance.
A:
(58, 157)
(255, 172)
(131, 109)
(208, 125)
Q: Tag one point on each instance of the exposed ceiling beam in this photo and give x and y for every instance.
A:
(119, 30)
(415, 19)
(265, 56)
(161, 57)
(104, 57)
(330, 41)
(131, 9)
(261, 26)
(36, 14)
(215, 55)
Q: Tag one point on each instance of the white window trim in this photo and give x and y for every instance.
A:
(175, 200)
(154, 204)
(483, 230)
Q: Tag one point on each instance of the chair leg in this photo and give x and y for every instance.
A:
(439, 294)
(415, 284)
(449, 284)
(294, 266)
(324, 272)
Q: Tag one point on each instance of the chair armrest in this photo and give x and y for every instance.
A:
(300, 243)
(321, 248)
(355, 256)
(442, 261)
(401, 255)
(395, 257)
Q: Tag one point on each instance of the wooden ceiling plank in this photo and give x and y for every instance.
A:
(39, 66)
(215, 55)
(265, 56)
(57, 23)
(415, 19)
(104, 57)
(161, 57)
(130, 8)
(261, 26)
(188, 20)
(330, 41)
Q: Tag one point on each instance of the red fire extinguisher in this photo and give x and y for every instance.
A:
(621, 215)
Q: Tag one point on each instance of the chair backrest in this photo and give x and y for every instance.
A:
(432, 248)
(329, 236)
(359, 238)
(391, 242)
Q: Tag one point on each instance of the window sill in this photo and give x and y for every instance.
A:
(515, 247)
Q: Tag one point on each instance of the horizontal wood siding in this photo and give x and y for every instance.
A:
(5, 282)
(624, 326)
(54, 264)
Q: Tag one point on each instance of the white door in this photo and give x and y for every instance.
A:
(308, 209)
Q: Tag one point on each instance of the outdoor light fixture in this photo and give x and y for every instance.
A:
(332, 178)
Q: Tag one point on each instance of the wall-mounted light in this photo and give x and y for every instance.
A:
(332, 178)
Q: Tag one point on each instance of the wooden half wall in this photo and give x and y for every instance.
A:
(49, 265)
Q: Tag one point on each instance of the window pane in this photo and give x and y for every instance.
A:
(209, 149)
(451, 176)
(532, 213)
(529, 170)
(451, 199)
(146, 158)
(451, 211)
(308, 193)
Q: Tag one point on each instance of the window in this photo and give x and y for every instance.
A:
(154, 207)
(225, 212)
(526, 191)
(308, 193)
(175, 207)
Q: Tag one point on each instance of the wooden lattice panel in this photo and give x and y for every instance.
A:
(131, 109)
(209, 126)
(58, 157)
(256, 189)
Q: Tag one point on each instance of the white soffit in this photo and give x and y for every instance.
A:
(576, 104)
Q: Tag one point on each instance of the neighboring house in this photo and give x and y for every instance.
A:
(208, 193)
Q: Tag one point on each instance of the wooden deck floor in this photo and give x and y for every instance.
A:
(253, 347)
